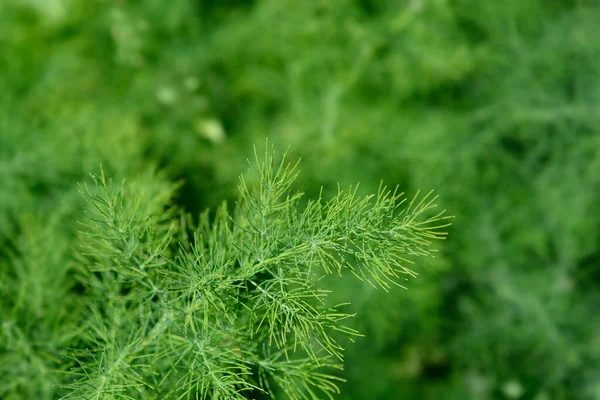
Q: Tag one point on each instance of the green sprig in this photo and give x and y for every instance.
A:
(234, 306)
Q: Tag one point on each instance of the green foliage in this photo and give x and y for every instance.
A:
(231, 305)
(492, 103)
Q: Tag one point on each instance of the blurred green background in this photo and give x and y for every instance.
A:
(495, 104)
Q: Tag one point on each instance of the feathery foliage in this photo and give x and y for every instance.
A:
(232, 306)
(493, 103)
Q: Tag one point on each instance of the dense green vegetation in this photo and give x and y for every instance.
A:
(494, 104)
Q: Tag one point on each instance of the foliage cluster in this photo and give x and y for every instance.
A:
(228, 307)
(493, 104)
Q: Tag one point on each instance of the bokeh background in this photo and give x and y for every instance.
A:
(494, 104)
